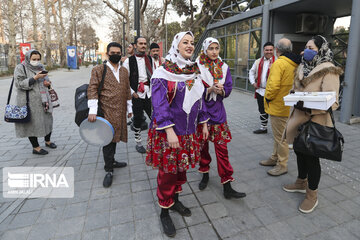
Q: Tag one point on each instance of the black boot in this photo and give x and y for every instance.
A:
(168, 225)
(204, 181)
(231, 193)
(179, 207)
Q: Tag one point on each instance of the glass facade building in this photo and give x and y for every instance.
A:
(240, 47)
(243, 26)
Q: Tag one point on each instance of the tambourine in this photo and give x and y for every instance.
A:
(98, 133)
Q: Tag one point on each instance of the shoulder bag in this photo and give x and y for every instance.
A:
(17, 114)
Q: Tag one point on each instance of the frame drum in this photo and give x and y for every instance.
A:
(98, 133)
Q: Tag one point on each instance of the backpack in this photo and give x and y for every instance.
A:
(81, 100)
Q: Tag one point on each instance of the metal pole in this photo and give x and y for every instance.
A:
(356, 108)
(265, 24)
(137, 17)
(124, 48)
(351, 65)
(166, 37)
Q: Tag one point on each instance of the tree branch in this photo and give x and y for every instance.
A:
(143, 7)
(116, 10)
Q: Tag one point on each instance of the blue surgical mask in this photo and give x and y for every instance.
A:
(309, 54)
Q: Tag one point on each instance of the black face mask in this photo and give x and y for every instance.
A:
(115, 58)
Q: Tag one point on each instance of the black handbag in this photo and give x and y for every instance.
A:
(320, 141)
(17, 114)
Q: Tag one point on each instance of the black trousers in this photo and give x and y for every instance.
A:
(139, 106)
(309, 167)
(263, 115)
(34, 140)
(109, 153)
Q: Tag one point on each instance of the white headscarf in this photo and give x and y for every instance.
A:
(205, 73)
(174, 56)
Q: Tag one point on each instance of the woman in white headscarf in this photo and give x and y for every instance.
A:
(173, 145)
(28, 76)
(218, 82)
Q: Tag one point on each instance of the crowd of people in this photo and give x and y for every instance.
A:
(184, 101)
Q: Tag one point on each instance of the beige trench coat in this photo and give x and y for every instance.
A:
(323, 78)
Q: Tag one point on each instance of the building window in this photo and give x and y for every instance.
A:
(231, 29)
(255, 45)
(221, 31)
(240, 46)
(242, 54)
(243, 26)
(222, 47)
(230, 47)
(256, 22)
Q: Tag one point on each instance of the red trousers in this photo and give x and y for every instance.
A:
(224, 167)
(168, 185)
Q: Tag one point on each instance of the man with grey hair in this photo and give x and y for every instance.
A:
(279, 84)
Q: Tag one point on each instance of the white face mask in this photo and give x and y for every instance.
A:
(35, 63)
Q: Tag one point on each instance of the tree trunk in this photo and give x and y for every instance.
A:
(191, 13)
(62, 34)
(2, 35)
(142, 19)
(21, 23)
(12, 35)
(57, 27)
(162, 28)
(34, 25)
(48, 34)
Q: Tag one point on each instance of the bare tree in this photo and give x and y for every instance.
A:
(35, 25)
(62, 48)
(152, 23)
(116, 29)
(59, 33)
(12, 34)
(124, 13)
(80, 11)
(88, 39)
(2, 34)
(143, 6)
(161, 28)
(48, 34)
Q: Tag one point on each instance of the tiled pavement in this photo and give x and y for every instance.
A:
(128, 210)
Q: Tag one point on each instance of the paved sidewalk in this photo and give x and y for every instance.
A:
(129, 210)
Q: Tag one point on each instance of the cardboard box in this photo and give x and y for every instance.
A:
(313, 100)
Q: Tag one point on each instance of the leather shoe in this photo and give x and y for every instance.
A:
(203, 185)
(108, 180)
(181, 209)
(233, 194)
(119, 164)
(168, 226)
(41, 152)
(140, 149)
(51, 145)
(260, 131)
